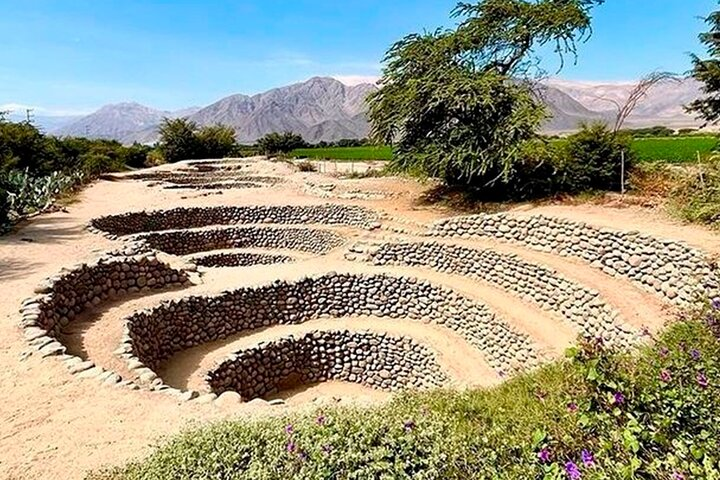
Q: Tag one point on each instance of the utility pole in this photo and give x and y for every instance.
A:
(29, 115)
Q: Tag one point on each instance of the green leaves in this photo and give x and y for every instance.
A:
(183, 139)
(460, 105)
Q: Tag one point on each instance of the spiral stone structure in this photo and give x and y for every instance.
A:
(202, 281)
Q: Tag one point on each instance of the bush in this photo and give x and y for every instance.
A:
(216, 141)
(306, 166)
(182, 139)
(4, 209)
(650, 414)
(275, 143)
(696, 195)
(591, 159)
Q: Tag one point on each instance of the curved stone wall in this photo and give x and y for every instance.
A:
(156, 334)
(678, 273)
(185, 242)
(63, 297)
(374, 360)
(214, 186)
(198, 178)
(240, 259)
(580, 306)
(201, 179)
(194, 217)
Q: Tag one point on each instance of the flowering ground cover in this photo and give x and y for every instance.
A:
(649, 414)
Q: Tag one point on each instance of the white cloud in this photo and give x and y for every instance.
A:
(20, 108)
(352, 80)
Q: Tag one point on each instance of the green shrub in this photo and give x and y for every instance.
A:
(280, 143)
(696, 195)
(649, 414)
(4, 209)
(94, 164)
(591, 159)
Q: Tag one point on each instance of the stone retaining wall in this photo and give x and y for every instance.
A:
(194, 217)
(375, 360)
(240, 259)
(678, 273)
(63, 297)
(156, 334)
(581, 307)
(202, 178)
(214, 186)
(185, 242)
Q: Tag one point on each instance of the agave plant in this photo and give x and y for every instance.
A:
(27, 194)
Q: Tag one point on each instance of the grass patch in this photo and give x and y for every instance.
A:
(345, 153)
(674, 149)
(651, 415)
(653, 149)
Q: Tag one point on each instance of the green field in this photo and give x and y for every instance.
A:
(344, 153)
(674, 149)
(656, 149)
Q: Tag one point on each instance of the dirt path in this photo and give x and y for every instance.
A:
(55, 424)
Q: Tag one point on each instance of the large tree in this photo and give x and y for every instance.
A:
(707, 71)
(460, 104)
(274, 143)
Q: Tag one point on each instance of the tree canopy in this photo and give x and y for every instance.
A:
(183, 139)
(707, 72)
(285, 142)
(459, 104)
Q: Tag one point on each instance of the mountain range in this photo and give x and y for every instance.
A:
(324, 108)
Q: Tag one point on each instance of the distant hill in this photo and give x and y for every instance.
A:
(326, 109)
(663, 104)
(318, 109)
(125, 122)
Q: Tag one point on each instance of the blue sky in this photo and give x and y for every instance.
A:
(72, 56)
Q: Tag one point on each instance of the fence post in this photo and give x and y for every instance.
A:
(622, 172)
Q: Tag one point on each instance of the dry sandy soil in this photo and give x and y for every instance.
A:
(53, 423)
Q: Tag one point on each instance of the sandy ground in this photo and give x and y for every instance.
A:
(52, 423)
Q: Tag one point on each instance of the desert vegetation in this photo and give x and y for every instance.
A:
(36, 168)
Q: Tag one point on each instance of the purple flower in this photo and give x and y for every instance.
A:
(619, 398)
(572, 470)
(327, 448)
(302, 456)
(715, 303)
(677, 476)
(588, 458)
(320, 420)
(291, 447)
(409, 425)
(665, 376)
(544, 455)
(702, 380)
(572, 407)
(664, 352)
(695, 354)
(289, 429)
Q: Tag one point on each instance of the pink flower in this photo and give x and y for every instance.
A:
(544, 455)
(702, 380)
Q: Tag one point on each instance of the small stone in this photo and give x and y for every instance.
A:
(228, 399)
(53, 348)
